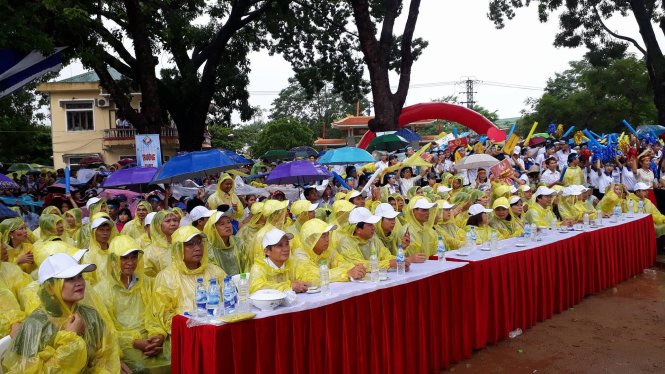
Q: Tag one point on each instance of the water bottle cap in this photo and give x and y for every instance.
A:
(200, 280)
(213, 280)
(323, 262)
(243, 275)
(227, 278)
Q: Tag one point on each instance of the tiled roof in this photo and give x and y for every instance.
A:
(91, 77)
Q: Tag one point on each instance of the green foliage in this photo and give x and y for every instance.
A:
(596, 98)
(237, 138)
(282, 133)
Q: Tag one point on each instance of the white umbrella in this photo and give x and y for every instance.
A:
(477, 161)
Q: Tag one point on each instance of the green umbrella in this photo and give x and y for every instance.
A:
(277, 154)
(390, 142)
(20, 167)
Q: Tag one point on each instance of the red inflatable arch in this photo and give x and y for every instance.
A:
(449, 112)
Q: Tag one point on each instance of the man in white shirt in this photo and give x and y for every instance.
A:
(563, 153)
(551, 175)
(605, 177)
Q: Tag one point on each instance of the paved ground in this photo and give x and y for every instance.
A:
(621, 330)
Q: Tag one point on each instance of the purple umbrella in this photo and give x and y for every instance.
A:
(7, 183)
(298, 172)
(129, 177)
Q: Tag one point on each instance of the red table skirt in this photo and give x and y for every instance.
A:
(519, 289)
(419, 327)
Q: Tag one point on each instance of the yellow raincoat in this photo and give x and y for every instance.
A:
(6, 228)
(311, 233)
(245, 236)
(228, 257)
(135, 227)
(84, 234)
(358, 251)
(129, 309)
(275, 213)
(220, 197)
(540, 216)
(424, 238)
(73, 231)
(300, 211)
(44, 346)
(573, 176)
(453, 236)
(483, 233)
(48, 210)
(610, 200)
(96, 255)
(173, 290)
(48, 229)
(505, 228)
(340, 218)
(658, 217)
(157, 255)
(12, 282)
(393, 240)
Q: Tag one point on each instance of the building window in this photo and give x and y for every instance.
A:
(79, 116)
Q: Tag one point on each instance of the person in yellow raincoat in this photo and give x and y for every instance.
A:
(73, 223)
(48, 210)
(340, 218)
(517, 211)
(95, 205)
(389, 228)
(568, 210)
(479, 221)
(462, 202)
(135, 227)
(246, 234)
(144, 239)
(14, 236)
(277, 269)
(225, 194)
(420, 216)
(359, 240)
(127, 295)
(158, 254)
(614, 195)
(274, 212)
(11, 312)
(173, 289)
(223, 248)
(302, 211)
(503, 221)
(540, 211)
(51, 227)
(12, 282)
(641, 194)
(103, 230)
(315, 247)
(65, 334)
(453, 236)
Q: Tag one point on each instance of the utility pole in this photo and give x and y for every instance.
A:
(470, 102)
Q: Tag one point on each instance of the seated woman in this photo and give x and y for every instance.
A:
(302, 211)
(245, 235)
(517, 211)
(173, 290)
(134, 228)
(614, 195)
(51, 227)
(127, 296)
(277, 270)
(65, 334)
(223, 248)
(360, 240)
(73, 223)
(503, 221)
(12, 282)
(95, 205)
(158, 254)
(48, 210)
(14, 236)
(568, 210)
(453, 236)
(274, 212)
(642, 194)
(420, 216)
(102, 231)
(315, 247)
(479, 221)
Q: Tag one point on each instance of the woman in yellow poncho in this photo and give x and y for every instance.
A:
(127, 297)
(158, 254)
(173, 290)
(103, 230)
(642, 194)
(479, 221)
(223, 248)
(95, 205)
(614, 195)
(48, 210)
(12, 282)
(51, 227)
(65, 334)
(14, 235)
(420, 216)
(274, 212)
(453, 236)
(315, 247)
(277, 269)
(462, 201)
(359, 240)
(135, 227)
(340, 218)
(503, 221)
(245, 236)
(73, 219)
(225, 194)
(517, 211)
(302, 211)
(144, 239)
(568, 208)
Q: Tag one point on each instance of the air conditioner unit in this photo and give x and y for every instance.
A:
(103, 103)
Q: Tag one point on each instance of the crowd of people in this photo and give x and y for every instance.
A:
(93, 283)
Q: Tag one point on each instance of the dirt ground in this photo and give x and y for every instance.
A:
(621, 330)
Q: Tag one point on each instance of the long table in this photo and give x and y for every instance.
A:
(428, 319)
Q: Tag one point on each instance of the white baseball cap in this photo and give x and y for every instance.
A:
(517, 150)
(273, 237)
(352, 195)
(200, 212)
(92, 200)
(477, 209)
(62, 266)
(78, 256)
(639, 186)
(360, 214)
(513, 189)
(423, 204)
(99, 221)
(148, 218)
(571, 191)
(524, 188)
(385, 210)
(542, 190)
(444, 204)
(514, 200)
(443, 189)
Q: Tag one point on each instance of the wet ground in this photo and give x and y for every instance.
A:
(621, 330)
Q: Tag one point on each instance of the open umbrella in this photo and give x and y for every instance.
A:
(192, 165)
(304, 152)
(5, 212)
(239, 159)
(477, 161)
(537, 140)
(20, 167)
(89, 161)
(130, 177)
(408, 134)
(389, 142)
(299, 172)
(7, 183)
(277, 154)
(345, 156)
(127, 161)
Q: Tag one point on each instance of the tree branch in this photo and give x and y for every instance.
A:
(116, 44)
(621, 37)
(406, 51)
(386, 39)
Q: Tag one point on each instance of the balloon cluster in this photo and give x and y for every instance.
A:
(551, 128)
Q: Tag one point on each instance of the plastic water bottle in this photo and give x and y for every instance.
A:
(374, 266)
(585, 220)
(243, 294)
(324, 277)
(401, 260)
(616, 215)
(441, 250)
(230, 296)
(534, 232)
(599, 217)
(553, 223)
(527, 232)
(640, 207)
(470, 240)
(494, 240)
(631, 207)
(200, 297)
(474, 237)
(213, 298)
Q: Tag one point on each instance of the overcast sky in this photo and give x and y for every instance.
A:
(463, 42)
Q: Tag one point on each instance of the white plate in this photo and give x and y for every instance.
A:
(486, 249)
(462, 253)
(384, 278)
(520, 244)
(313, 290)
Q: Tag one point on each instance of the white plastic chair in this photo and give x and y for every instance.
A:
(4, 346)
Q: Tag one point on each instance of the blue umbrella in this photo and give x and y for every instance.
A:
(299, 172)
(19, 68)
(192, 165)
(6, 212)
(23, 200)
(345, 156)
(407, 134)
(240, 159)
(131, 176)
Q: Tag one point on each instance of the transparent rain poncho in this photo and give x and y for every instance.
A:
(220, 197)
(158, 254)
(310, 234)
(135, 227)
(423, 236)
(228, 257)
